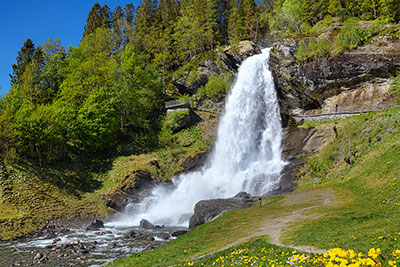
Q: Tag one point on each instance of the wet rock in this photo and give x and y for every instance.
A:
(232, 58)
(207, 210)
(130, 235)
(244, 195)
(144, 237)
(149, 248)
(179, 233)
(164, 236)
(145, 224)
(103, 233)
(51, 236)
(96, 224)
(38, 256)
(135, 191)
(56, 240)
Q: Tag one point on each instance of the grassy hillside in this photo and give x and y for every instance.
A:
(72, 191)
(360, 166)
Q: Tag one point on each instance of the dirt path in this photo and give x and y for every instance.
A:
(276, 226)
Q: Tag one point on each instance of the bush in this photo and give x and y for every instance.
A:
(174, 119)
(312, 49)
(217, 86)
(350, 37)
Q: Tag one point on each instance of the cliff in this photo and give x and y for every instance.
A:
(354, 81)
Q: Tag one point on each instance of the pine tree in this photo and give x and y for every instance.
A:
(128, 23)
(24, 57)
(118, 26)
(93, 20)
(248, 9)
(143, 22)
(105, 15)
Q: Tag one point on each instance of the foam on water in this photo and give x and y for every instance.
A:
(246, 157)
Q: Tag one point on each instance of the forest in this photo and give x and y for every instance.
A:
(65, 102)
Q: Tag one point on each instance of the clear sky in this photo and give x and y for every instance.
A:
(41, 20)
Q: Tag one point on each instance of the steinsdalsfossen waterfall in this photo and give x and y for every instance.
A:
(246, 156)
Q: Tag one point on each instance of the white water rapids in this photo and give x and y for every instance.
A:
(246, 157)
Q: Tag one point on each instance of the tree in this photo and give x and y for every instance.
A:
(24, 57)
(248, 10)
(128, 23)
(118, 26)
(143, 23)
(94, 20)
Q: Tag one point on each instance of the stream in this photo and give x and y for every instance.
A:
(82, 247)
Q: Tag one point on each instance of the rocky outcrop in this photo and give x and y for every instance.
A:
(232, 57)
(207, 210)
(187, 121)
(354, 81)
(304, 86)
(95, 225)
(138, 186)
(229, 59)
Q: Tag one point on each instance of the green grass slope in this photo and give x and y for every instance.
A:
(360, 228)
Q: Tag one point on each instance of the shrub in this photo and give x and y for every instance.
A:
(312, 49)
(217, 87)
(350, 37)
(174, 119)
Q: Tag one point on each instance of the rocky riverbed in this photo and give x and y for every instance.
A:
(86, 246)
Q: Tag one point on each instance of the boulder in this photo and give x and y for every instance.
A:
(130, 235)
(207, 210)
(163, 236)
(179, 233)
(96, 224)
(144, 237)
(243, 195)
(145, 224)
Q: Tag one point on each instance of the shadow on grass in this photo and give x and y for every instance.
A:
(76, 177)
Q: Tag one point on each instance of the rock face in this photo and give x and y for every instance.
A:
(357, 80)
(141, 184)
(207, 210)
(229, 58)
(187, 121)
(306, 85)
(232, 58)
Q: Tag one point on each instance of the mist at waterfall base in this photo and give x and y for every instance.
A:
(246, 156)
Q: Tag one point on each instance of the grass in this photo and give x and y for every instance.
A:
(207, 238)
(352, 34)
(371, 178)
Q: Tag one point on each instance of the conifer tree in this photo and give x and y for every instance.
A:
(143, 22)
(118, 26)
(128, 23)
(105, 15)
(93, 20)
(24, 57)
(248, 9)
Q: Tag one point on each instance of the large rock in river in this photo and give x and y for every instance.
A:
(207, 210)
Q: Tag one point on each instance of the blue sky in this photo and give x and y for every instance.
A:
(41, 20)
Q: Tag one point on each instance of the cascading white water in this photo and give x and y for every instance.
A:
(247, 154)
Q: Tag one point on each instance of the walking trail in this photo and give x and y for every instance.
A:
(275, 226)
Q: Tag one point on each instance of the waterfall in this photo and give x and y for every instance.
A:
(246, 157)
